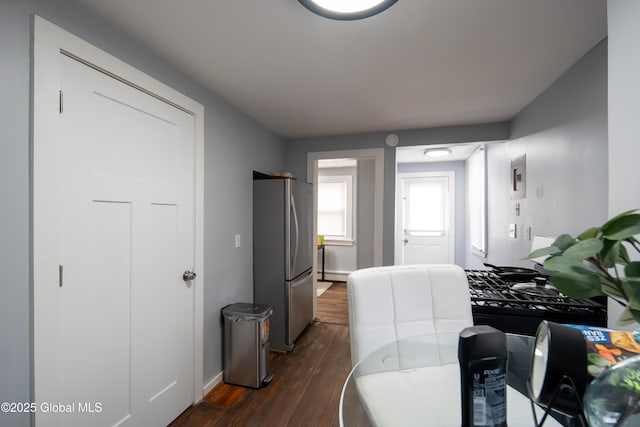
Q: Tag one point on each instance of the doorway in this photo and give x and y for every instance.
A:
(374, 160)
(420, 162)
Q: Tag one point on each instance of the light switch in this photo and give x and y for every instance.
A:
(513, 231)
(237, 240)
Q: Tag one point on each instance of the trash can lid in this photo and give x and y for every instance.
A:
(247, 311)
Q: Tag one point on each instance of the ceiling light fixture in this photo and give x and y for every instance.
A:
(437, 152)
(347, 10)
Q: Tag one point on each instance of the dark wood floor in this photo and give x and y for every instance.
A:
(306, 385)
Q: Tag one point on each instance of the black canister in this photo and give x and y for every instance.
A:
(482, 353)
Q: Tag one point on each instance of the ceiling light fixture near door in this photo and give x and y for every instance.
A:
(437, 152)
(347, 10)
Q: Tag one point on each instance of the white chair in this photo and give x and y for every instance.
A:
(390, 303)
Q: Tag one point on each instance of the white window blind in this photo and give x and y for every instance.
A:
(335, 206)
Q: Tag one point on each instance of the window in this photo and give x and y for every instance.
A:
(427, 206)
(335, 207)
(477, 201)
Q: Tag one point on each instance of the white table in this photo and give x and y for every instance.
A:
(416, 382)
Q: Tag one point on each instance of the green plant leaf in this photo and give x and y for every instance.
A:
(577, 285)
(589, 233)
(633, 243)
(634, 301)
(622, 227)
(623, 256)
(632, 271)
(620, 215)
(563, 264)
(628, 316)
(549, 250)
(633, 294)
(627, 288)
(563, 241)
(583, 249)
(609, 288)
(610, 253)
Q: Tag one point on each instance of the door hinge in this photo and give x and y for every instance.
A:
(60, 102)
(60, 275)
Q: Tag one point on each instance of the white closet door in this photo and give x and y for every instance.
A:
(126, 223)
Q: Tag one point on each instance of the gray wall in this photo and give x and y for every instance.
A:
(563, 133)
(297, 150)
(234, 146)
(460, 170)
(624, 126)
(624, 93)
(366, 210)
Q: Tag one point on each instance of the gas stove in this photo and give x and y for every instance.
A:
(519, 307)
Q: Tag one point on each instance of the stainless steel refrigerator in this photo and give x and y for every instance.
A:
(283, 247)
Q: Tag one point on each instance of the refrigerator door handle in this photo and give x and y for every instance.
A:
(295, 220)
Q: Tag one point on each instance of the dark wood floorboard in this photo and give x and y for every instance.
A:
(333, 305)
(306, 385)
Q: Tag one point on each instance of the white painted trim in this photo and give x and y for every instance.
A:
(399, 235)
(48, 42)
(482, 252)
(210, 385)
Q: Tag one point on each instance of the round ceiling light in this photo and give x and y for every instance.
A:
(347, 10)
(437, 152)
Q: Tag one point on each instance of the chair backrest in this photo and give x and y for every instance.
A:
(390, 303)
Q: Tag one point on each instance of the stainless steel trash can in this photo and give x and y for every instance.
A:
(246, 344)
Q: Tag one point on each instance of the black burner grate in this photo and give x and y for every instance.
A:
(488, 289)
(519, 307)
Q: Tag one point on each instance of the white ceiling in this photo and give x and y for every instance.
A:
(421, 63)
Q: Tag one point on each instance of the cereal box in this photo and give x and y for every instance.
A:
(606, 347)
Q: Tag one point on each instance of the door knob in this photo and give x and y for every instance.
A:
(188, 275)
(406, 240)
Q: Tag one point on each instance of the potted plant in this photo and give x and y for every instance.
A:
(597, 262)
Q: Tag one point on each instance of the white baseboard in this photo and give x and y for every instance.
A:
(212, 383)
(335, 276)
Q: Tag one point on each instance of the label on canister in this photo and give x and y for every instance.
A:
(482, 352)
(488, 389)
(264, 331)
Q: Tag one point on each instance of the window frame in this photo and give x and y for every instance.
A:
(477, 215)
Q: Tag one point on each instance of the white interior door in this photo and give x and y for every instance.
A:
(126, 234)
(426, 207)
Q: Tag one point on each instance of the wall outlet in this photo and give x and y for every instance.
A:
(527, 233)
(237, 240)
(513, 231)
